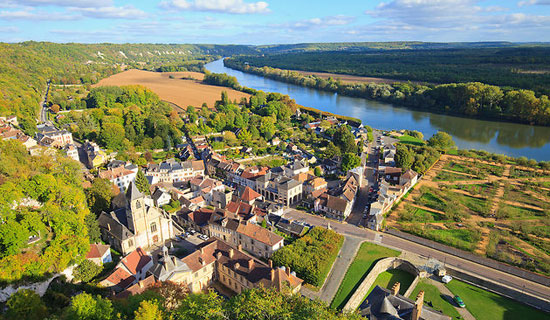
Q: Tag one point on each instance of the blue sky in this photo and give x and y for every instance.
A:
(273, 21)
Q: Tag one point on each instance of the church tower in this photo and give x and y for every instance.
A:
(135, 209)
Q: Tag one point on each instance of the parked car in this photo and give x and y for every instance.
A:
(446, 279)
(459, 301)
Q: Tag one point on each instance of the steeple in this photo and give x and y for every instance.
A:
(133, 193)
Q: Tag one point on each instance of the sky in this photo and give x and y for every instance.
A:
(273, 21)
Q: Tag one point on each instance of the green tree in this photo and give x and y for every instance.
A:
(350, 161)
(26, 304)
(148, 310)
(87, 307)
(344, 139)
(142, 184)
(201, 306)
(404, 158)
(112, 135)
(441, 140)
(86, 271)
(94, 234)
(317, 171)
(99, 195)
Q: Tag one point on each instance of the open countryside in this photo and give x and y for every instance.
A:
(180, 88)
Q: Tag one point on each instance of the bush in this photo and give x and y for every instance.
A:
(86, 271)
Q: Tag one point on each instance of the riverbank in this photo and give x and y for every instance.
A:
(473, 99)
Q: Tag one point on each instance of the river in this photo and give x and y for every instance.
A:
(499, 137)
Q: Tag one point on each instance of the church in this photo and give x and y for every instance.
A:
(135, 222)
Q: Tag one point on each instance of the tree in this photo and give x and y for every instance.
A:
(26, 304)
(404, 158)
(55, 108)
(201, 306)
(99, 195)
(344, 139)
(317, 171)
(94, 234)
(112, 135)
(86, 271)
(142, 184)
(87, 307)
(441, 140)
(350, 161)
(148, 310)
(172, 292)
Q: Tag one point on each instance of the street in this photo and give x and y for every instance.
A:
(345, 229)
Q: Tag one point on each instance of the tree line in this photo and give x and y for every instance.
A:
(473, 99)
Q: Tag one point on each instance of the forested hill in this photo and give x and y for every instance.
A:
(521, 67)
(26, 67)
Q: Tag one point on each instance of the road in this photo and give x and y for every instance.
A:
(44, 107)
(497, 276)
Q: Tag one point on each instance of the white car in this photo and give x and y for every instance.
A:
(446, 279)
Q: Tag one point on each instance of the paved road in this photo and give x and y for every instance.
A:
(339, 268)
(43, 106)
(518, 283)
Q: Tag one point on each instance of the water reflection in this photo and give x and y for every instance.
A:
(500, 137)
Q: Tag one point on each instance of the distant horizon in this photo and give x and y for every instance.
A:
(253, 22)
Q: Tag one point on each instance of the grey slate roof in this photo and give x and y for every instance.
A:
(133, 193)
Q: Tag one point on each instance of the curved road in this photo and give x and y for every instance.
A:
(527, 286)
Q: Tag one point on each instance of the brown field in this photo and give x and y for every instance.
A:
(180, 92)
(350, 78)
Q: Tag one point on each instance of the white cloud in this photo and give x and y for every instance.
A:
(58, 3)
(222, 6)
(126, 12)
(338, 20)
(533, 2)
(37, 16)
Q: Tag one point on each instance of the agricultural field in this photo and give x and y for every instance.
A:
(499, 210)
(180, 88)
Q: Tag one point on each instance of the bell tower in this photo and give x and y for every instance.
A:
(135, 209)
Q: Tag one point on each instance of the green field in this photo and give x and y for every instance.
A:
(406, 139)
(435, 298)
(485, 305)
(387, 279)
(507, 211)
(367, 255)
(449, 176)
(477, 205)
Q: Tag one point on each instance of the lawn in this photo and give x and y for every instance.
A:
(485, 305)
(434, 299)
(428, 216)
(387, 279)
(406, 139)
(364, 260)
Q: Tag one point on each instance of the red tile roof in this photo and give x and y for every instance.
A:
(120, 278)
(97, 250)
(249, 195)
(136, 260)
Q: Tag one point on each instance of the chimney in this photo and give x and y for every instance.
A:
(219, 255)
(270, 262)
(201, 250)
(418, 306)
(287, 271)
(237, 265)
(201, 261)
(231, 253)
(240, 247)
(395, 288)
(272, 275)
(250, 264)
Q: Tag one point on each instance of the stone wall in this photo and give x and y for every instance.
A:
(501, 289)
(383, 265)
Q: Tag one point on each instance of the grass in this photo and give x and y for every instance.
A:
(428, 216)
(435, 298)
(387, 279)
(449, 176)
(514, 212)
(367, 255)
(475, 204)
(485, 305)
(406, 139)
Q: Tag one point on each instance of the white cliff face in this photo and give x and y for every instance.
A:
(38, 287)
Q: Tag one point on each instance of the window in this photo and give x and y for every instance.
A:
(130, 243)
(138, 204)
(153, 227)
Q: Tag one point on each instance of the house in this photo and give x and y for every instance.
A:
(332, 206)
(275, 141)
(135, 222)
(99, 254)
(389, 157)
(138, 287)
(95, 157)
(205, 187)
(295, 167)
(279, 188)
(172, 171)
(392, 175)
(169, 268)
(382, 303)
(216, 260)
(291, 227)
(248, 176)
(121, 175)
(409, 176)
(61, 137)
(314, 184)
(221, 198)
(253, 238)
(161, 197)
(71, 151)
(249, 196)
(131, 269)
(196, 220)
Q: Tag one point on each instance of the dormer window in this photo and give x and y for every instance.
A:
(138, 204)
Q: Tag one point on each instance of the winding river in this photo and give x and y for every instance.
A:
(499, 137)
